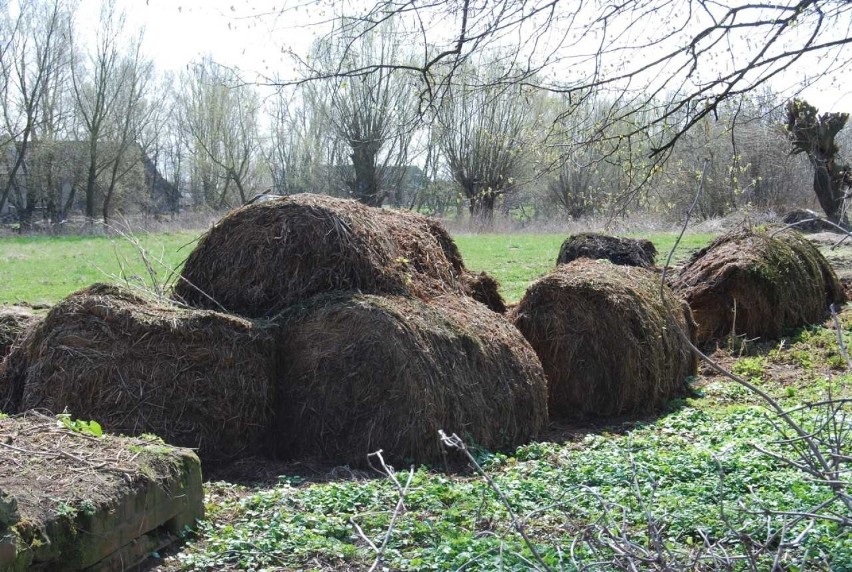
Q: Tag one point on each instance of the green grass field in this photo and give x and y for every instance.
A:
(43, 270)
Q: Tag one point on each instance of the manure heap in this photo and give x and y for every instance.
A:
(318, 328)
(757, 283)
(622, 251)
(261, 258)
(608, 343)
(196, 378)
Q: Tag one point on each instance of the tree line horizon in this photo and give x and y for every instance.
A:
(96, 130)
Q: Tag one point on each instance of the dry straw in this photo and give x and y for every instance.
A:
(757, 284)
(369, 372)
(15, 321)
(606, 341)
(623, 251)
(261, 258)
(195, 378)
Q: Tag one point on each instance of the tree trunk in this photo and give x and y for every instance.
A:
(91, 177)
(828, 193)
(365, 188)
(482, 209)
(814, 135)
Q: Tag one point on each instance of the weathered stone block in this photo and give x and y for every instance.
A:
(86, 502)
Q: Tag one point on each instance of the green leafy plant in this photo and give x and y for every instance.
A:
(750, 367)
(65, 509)
(87, 507)
(92, 428)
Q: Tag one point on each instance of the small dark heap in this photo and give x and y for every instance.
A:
(622, 251)
(808, 221)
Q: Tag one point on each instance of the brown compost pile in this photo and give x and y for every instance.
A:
(264, 257)
(14, 322)
(607, 342)
(623, 251)
(368, 372)
(755, 283)
(195, 378)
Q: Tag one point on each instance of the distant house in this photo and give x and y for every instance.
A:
(50, 184)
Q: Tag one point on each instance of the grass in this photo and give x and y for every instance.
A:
(43, 270)
(517, 259)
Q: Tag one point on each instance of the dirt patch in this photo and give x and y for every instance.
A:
(837, 249)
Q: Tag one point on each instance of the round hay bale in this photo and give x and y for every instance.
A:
(756, 284)
(14, 322)
(606, 341)
(263, 257)
(195, 378)
(623, 251)
(366, 372)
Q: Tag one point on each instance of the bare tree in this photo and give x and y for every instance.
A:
(301, 147)
(814, 135)
(130, 117)
(220, 118)
(35, 54)
(98, 83)
(485, 129)
(375, 114)
(163, 142)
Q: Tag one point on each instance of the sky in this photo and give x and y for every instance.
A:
(256, 35)
(252, 35)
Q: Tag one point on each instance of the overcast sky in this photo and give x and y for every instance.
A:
(252, 35)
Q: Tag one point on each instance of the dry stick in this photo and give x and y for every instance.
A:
(152, 273)
(839, 331)
(400, 506)
(360, 532)
(456, 442)
(160, 290)
(768, 399)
